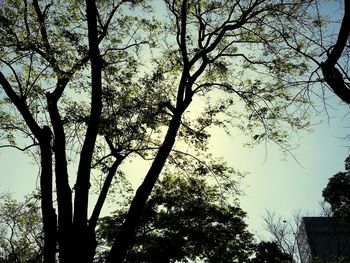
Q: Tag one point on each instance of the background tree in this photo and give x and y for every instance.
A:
(186, 218)
(283, 233)
(337, 193)
(20, 230)
(270, 252)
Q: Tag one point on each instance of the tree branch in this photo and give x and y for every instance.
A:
(21, 106)
(103, 194)
(332, 75)
(23, 149)
(343, 37)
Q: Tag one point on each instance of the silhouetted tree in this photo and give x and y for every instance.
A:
(337, 193)
(186, 218)
(72, 83)
(283, 232)
(269, 252)
(20, 230)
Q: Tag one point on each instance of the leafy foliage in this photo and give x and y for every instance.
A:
(337, 192)
(20, 230)
(269, 252)
(185, 219)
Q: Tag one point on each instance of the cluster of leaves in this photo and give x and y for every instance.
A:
(270, 252)
(188, 219)
(185, 219)
(337, 193)
(20, 230)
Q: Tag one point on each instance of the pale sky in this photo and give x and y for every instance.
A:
(284, 185)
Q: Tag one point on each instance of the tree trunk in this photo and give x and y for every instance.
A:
(64, 193)
(82, 186)
(44, 137)
(128, 231)
(48, 212)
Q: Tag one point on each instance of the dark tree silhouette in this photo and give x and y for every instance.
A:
(338, 79)
(185, 218)
(269, 252)
(337, 193)
(71, 84)
(20, 230)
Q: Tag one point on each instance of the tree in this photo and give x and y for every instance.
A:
(229, 55)
(335, 73)
(337, 193)
(283, 234)
(186, 218)
(47, 46)
(269, 252)
(332, 57)
(20, 230)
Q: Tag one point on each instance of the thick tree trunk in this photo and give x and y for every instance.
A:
(128, 231)
(336, 82)
(64, 193)
(48, 212)
(82, 186)
(44, 137)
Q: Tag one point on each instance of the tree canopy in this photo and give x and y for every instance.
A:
(269, 252)
(337, 192)
(185, 219)
(20, 230)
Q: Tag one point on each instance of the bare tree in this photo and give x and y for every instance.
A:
(284, 231)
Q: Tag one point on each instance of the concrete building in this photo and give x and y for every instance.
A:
(323, 239)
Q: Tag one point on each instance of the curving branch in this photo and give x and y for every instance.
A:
(332, 75)
(343, 36)
(23, 149)
(21, 106)
(335, 81)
